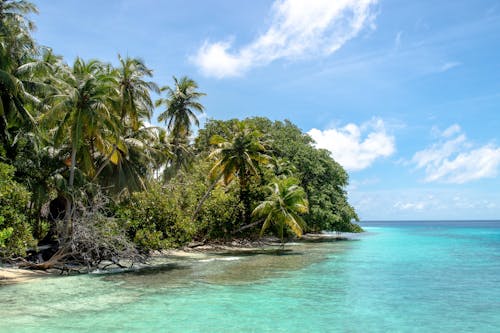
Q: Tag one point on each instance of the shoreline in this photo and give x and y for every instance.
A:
(13, 275)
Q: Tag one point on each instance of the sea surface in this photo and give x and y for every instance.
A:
(416, 276)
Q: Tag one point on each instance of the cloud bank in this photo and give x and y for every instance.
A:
(356, 147)
(453, 159)
(298, 29)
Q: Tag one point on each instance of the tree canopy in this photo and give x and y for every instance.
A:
(76, 145)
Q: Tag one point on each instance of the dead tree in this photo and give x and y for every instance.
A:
(94, 238)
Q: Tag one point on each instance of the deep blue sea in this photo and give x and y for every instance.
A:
(397, 277)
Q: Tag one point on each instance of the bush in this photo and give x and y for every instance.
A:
(220, 215)
(15, 230)
(158, 218)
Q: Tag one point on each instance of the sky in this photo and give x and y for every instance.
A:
(404, 94)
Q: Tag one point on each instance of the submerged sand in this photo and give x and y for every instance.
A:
(12, 275)
(16, 275)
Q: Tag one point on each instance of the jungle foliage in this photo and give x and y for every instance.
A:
(73, 133)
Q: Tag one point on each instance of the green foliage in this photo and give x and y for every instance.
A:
(5, 233)
(62, 127)
(241, 155)
(155, 218)
(15, 231)
(220, 215)
(181, 108)
(283, 206)
(323, 179)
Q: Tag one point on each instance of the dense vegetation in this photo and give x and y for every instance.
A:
(82, 173)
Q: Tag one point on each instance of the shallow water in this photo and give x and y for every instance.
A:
(398, 277)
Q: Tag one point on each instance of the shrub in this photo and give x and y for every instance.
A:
(15, 230)
(220, 215)
(158, 218)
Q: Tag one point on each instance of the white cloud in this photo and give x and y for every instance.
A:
(453, 159)
(450, 131)
(449, 65)
(410, 205)
(398, 40)
(356, 147)
(298, 28)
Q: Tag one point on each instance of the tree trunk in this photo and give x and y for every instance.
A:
(245, 199)
(69, 202)
(204, 198)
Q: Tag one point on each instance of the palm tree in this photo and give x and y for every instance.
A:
(282, 207)
(15, 31)
(181, 108)
(146, 151)
(82, 117)
(16, 47)
(134, 96)
(239, 157)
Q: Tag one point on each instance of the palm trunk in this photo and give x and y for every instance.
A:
(72, 168)
(245, 199)
(104, 164)
(204, 198)
(69, 202)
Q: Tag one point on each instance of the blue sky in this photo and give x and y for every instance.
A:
(406, 95)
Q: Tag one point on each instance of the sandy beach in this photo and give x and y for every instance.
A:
(16, 275)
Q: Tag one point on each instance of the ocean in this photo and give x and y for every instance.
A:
(419, 276)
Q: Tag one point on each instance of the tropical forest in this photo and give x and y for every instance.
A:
(86, 177)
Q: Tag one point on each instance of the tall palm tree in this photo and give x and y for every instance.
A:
(239, 157)
(282, 207)
(82, 117)
(15, 30)
(82, 110)
(134, 96)
(16, 47)
(181, 108)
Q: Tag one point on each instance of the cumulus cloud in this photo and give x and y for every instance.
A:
(356, 147)
(298, 28)
(453, 159)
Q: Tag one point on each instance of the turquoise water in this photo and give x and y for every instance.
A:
(397, 277)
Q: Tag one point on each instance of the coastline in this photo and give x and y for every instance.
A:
(13, 275)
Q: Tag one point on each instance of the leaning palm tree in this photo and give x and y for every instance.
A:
(239, 157)
(181, 108)
(282, 207)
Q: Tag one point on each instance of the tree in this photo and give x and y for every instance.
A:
(146, 152)
(181, 108)
(15, 231)
(282, 207)
(134, 97)
(16, 42)
(239, 156)
(82, 112)
(293, 153)
(16, 48)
